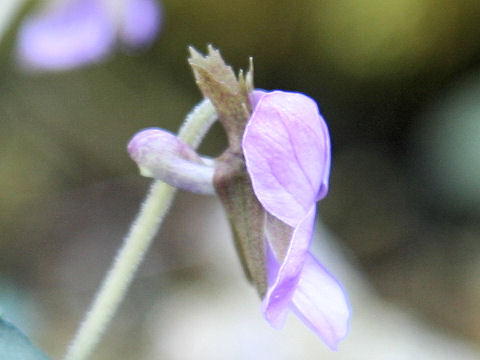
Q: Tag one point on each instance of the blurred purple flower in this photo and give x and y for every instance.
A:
(287, 151)
(72, 33)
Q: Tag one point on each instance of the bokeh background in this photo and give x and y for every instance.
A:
(399, 85)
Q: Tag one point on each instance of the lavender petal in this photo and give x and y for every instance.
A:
(287, 152)
(282, 287)
(320, 302)
(66, 36)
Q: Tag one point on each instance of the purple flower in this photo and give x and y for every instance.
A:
(286, 146)
(287, 151)
(71, 33)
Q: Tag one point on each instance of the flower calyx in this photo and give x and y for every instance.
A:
(227, 92)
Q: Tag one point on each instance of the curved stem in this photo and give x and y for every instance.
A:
(136, 244)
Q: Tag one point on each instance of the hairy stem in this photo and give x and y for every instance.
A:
(135, 244)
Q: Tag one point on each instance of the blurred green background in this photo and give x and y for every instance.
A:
(397, 81)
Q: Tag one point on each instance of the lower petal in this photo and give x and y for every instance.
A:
(282, 286)
(320, 302)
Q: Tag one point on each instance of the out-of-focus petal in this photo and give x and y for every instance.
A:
(140, 22)
(287, 152)
(77, 33)
(320, 302)
(163, 156)
(283, 284)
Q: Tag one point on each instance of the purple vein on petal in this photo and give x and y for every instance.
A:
(309, 137)
(279, 177)
(295, 154)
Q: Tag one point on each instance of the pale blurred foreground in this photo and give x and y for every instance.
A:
(190, 299)
(220, 317)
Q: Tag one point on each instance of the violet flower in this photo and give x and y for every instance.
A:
(269, 179)
(71, 33)
(286, 145)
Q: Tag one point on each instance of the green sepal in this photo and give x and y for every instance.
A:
(246, 215)
(230, 96)
(14, 345)
(227, 92)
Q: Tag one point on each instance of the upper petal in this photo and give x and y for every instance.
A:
(320, 302)
(66, 36)
(140, 22)
(287, 151)
(282, 283)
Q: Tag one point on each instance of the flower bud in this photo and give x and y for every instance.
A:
(163, 156)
